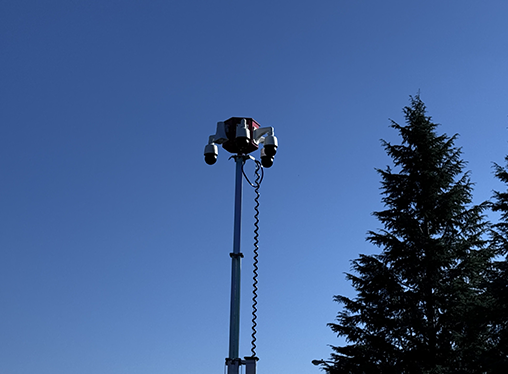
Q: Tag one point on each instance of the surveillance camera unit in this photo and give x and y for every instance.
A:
(242, 136)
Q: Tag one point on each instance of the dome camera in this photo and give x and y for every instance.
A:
(211, 153)
(270, 145)
(242, 143)
(270, 149)
(210, 159)
(266, 160)
(242, 136)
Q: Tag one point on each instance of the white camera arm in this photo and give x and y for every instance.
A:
(220, 135)
(268, 138)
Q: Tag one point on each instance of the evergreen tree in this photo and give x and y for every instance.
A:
(499, 280)
(420, 303)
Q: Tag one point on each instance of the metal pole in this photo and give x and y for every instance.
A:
(233, 361)
(250, 365)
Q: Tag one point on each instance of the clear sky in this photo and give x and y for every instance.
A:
(115, 235)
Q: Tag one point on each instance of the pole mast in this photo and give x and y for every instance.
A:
(233, 361)
(240, 136)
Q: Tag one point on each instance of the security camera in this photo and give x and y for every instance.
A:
(270, 150)
(242, 139)
(266, 160)
(242, 143)
(211, 153)
(270, 145)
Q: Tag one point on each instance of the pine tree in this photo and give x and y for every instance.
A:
(499, 280)
(420, 303)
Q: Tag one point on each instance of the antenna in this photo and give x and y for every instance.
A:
(241, 136)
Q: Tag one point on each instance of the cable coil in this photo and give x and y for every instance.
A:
(257, 184)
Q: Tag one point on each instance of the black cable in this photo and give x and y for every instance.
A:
(258, 167)
(257, 184)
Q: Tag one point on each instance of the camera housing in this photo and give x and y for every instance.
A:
(266, 160)
(240, 135)
(270, 145)
(211, 153)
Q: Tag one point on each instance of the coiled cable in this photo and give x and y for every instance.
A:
(257, 184)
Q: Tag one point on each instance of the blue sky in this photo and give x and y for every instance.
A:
(115, 235)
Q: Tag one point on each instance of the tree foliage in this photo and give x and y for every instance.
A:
(420, 303)
(498, 286)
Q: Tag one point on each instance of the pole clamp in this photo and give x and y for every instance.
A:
(236, 255)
